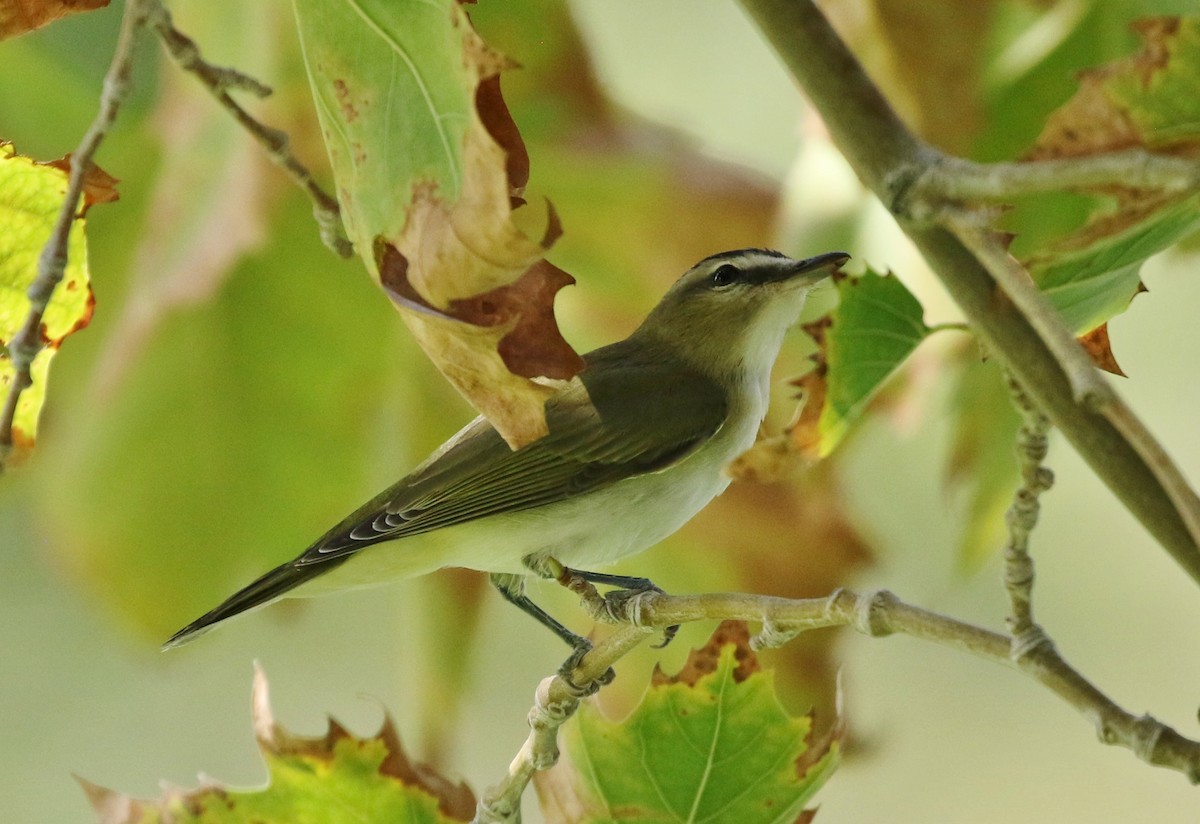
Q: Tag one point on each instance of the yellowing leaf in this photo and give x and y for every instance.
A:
(333, 779)
(31, 195)
(711, 743)
(429, 169)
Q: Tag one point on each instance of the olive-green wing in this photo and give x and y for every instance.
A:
(620, 419)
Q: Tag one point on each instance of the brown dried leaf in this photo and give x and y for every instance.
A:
(1093, 122)
(98, 185)
(703, 660)
(20, 16)
(1100, 349)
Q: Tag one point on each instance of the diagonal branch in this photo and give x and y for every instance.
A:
(52, 262)
(889, 159)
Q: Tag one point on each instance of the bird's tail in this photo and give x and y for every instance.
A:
(259, 593)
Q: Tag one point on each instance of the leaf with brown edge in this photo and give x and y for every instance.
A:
(20, 16)
(430, 167)
(31, 197)
(455, 800)
(1147, 100)
(335, 778)
(704, 660)
(860, 344)
(787, 455)
(712, 743)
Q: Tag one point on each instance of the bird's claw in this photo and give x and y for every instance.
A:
(625, 605)
(582, 648)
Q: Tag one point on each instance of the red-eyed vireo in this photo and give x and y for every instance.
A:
(637, 445)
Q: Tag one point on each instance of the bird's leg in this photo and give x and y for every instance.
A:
(614, 602)
(512, 587)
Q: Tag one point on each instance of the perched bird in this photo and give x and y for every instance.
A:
(637, 444)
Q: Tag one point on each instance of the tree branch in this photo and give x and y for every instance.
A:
(955, 179)
(876, 614)
(888, 158)
(219, 81)
(52, 262)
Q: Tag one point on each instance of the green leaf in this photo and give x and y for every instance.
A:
(31, 196)
(712, 744)
(429, 168)
(334, 779)
(875, 326)
(394, 98)
(1096, 281)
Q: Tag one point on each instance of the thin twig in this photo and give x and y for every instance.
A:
(956, 180)
(876, 614)
(52, 262)
(1022, 517)
(219, 82)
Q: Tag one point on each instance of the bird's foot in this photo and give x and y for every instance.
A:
(574, 661)
(627, 605)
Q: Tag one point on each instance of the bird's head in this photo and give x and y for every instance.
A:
(730, 310)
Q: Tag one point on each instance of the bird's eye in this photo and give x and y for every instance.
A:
(725, 275)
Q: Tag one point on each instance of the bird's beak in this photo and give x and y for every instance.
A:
(810, 270)
(822, 264)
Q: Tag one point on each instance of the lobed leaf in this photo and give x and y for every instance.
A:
(711, 743)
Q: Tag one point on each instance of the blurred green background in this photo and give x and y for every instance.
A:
(240, 389)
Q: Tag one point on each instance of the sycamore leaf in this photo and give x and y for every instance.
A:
(711, 743)
(330, 779)
(1147, 101)
(31, 195)
(20, 16)
(429, 168)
